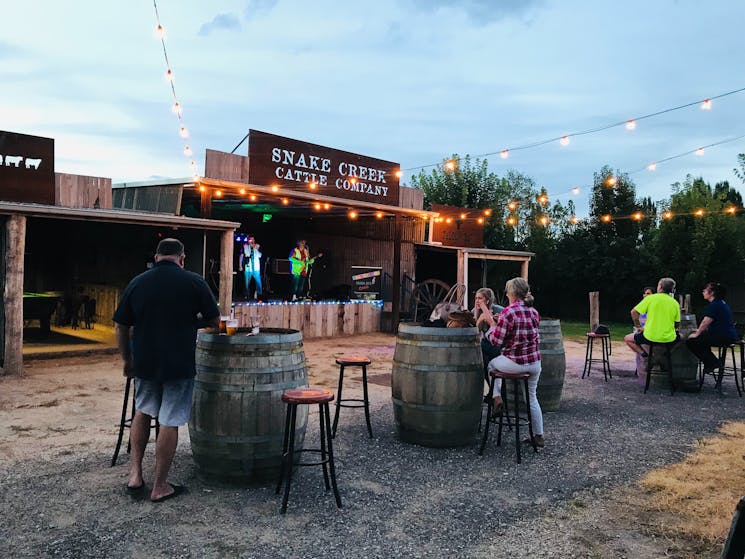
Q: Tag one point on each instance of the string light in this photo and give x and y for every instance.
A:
(630, 125)
(353, 180)
(512, 206)
(667, 215)
(700, 152)
(275, 188)
(487, 212)
(317, 206)
(544, 220)
(732, 210)
(573, 220)
(252, 197)
(450, 165)
(399, 174)
(463, 216)
(176, 107)
(352, 214)
(202, 188)
(448, 220)
(504, 154)
(511, 220)
(575, 190)
(326, 206)
(611, 181)
(605, 218)
(704, 103)
(313, 185)
(285, 201)
(637, 216)
(242, 191)
(480, 221)
(652, 166)
(379, 215)
(543, 199)
(218, 193)
(699, 213)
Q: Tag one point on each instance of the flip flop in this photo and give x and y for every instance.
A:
(135, 490)
(177, 490)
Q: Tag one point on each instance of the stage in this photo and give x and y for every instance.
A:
(315, 319)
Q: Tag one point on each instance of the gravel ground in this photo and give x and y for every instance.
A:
(575, 498)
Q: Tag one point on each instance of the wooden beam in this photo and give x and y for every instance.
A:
(524, 269)
(225, 295)
(465, 278)
(13, 294)
(594, 310)
(396, 276)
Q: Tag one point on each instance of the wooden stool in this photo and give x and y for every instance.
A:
(724, 371)
(666, 347)
(363, 402)
(605, 351)
(126, 422)
(307, 396)
(527, 420)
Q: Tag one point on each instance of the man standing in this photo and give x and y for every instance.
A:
(156, 329)
(250, 263)
(301, 262)
(663, 317)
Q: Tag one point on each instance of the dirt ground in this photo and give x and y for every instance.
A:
(58, 427)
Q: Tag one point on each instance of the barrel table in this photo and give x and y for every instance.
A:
(685, 364)
(237, 416)
(553, 364)
(437, 385)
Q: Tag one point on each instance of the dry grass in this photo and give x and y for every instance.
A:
(702, 491)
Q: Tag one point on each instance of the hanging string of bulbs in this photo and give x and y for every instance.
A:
(177, 108)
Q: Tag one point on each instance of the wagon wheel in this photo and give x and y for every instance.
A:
(425, 297)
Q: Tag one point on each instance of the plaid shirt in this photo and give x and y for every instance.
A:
(516, 333)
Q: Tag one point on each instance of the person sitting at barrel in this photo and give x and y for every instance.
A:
(717, 328)
(515, 332)
(663, 317)
(486, 296)
(640, 365)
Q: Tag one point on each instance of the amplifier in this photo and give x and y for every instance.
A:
(281, 266)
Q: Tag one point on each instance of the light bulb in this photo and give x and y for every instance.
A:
(480, 220)
(504, 154)
(564, 140)
(450, 165)
(630, 125)
(605, 218)
(176, 108)
(652, 166)
(700, 151)
(379, 215)
(312, 185)
(575, 190)
(275, 188)
(169, 75)
(487, 211)
(187, 151)
(160, 31)
(183, 132)
(463, 216)
(242, 191)
(667, 215)
(706, 105)
(352, 214)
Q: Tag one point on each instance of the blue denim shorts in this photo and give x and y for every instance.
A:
(170, 402)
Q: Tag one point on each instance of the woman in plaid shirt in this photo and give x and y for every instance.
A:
(516, 333)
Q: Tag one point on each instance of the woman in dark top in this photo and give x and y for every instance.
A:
(717, 328)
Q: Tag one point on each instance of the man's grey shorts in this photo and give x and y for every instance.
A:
(170, 402)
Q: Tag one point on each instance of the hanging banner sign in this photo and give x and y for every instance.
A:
(26, 168)
(367, 282)
(295, 164)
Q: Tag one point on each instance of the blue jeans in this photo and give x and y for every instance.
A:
(298, 284)
(248, 275)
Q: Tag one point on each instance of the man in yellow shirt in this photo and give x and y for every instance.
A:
(663, 317)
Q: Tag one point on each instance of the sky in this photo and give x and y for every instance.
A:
(410, 81)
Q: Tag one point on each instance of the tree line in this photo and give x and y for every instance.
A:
(626, 243)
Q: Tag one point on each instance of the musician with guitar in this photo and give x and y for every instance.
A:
(301, 262)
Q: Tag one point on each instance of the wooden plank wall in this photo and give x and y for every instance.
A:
(77, 191)
(411, 198)
(107, 299)
(225, 166)
(314, 320)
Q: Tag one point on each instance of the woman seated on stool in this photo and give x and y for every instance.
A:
(716, 329)
(516, 333)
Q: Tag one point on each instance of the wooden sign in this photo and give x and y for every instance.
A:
(367, 282)
(291, 163)
(459, 231)
(26, 168)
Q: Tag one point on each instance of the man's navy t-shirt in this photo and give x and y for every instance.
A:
(162, 304)
(723, 322)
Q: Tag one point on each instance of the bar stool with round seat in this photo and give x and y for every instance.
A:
(516, 378)
(307, 396)
(605, 351)
(126, 422)
(666, 347)
(363, 402)
(724, 370)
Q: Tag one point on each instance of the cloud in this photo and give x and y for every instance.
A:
(255, 8)
(481, 11)
(221, 22)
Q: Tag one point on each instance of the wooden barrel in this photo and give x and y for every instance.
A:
(437, 385)
(553, 365)
(685, 364)
(237, 416)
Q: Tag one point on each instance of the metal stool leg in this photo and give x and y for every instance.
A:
(366, 400)
(518, 442)
(290, 457)
(588, 357)
(332, 467)
(669, 361)
(489, 406)
(285, 445)
(649, 368)
(734, 371)
(122, 422)
(324, 452)
(338, 400)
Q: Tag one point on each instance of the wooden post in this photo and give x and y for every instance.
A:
(688, 303)
(225, 296)
(205, 204)
(13, 294)
(396, 276)
(524, 269)
(594, 310)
